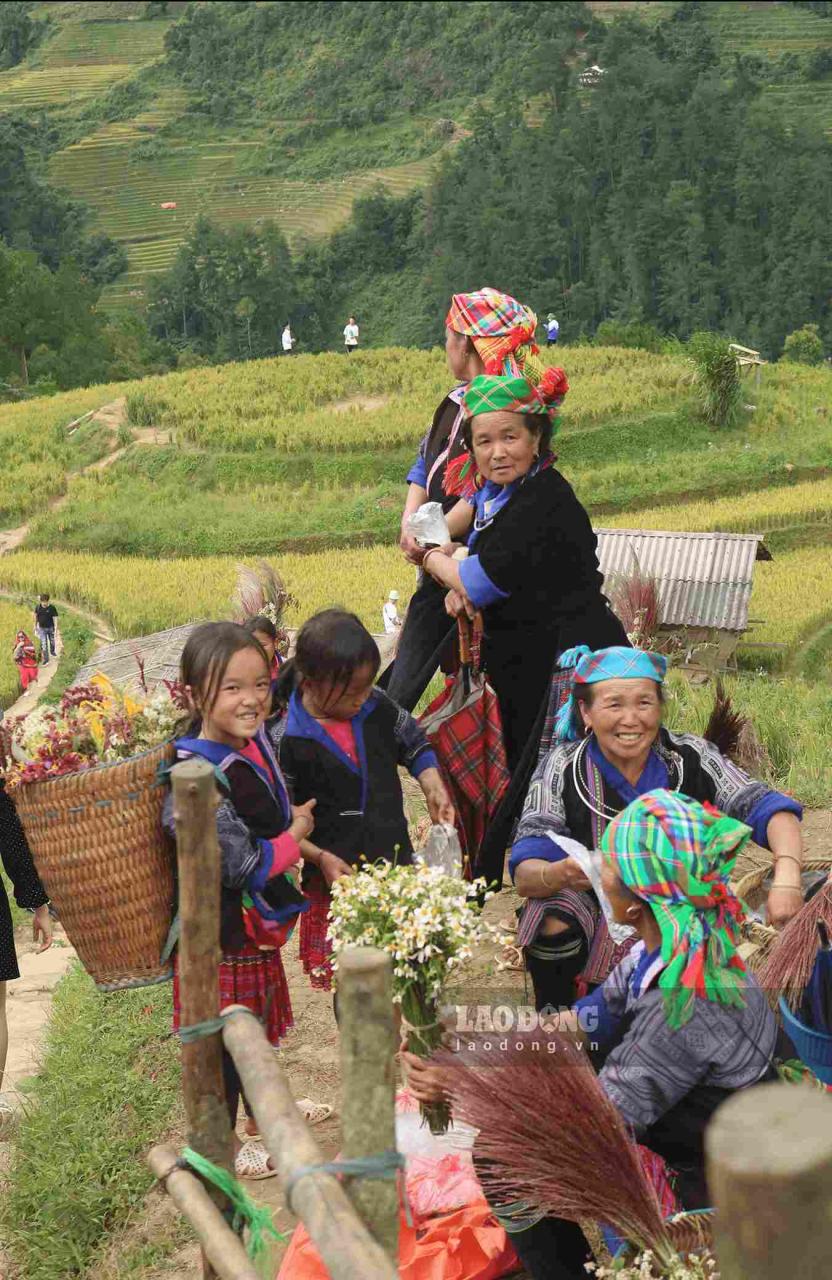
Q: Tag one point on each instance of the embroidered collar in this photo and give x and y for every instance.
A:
(650, 965)
(300, 724)
(588, 757)
(221, 756)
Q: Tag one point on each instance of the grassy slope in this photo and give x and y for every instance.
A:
(261, 463)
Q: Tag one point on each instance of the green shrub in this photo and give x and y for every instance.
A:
(804, 346)
(144, 409)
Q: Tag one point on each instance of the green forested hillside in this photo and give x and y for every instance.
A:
(399, 151)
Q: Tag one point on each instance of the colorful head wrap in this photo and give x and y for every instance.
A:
(500, 327)
(616, 663)
(490, 394)
(677, 856)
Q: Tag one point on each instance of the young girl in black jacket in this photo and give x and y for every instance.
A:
(341, 743)
(227, 679)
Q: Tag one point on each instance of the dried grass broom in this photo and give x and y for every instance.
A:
(551, 1139)
(260, 590)
(790, 962)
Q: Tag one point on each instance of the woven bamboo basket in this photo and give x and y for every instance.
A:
(106, 863)
(749, 889)
(691, 1231)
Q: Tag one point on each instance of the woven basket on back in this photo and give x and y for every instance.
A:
(749, 889)
(105, 862)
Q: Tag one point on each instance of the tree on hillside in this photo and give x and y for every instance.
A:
(228, 293)
(49, 314)
(804, 346)
(18, 33)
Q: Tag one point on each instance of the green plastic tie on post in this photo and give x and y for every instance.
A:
(257, 1218)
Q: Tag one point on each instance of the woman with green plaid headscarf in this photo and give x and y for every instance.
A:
(678, 1026)
(532, 568)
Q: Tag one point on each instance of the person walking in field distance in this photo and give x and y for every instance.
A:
(26, 659)
(351, 335)
(287, 340)
(390, 614)
(45, 623)
(552, 330)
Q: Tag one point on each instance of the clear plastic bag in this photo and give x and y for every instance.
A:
(428, 525)
(442, 849)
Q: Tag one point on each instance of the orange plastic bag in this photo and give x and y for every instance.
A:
(468, 1244)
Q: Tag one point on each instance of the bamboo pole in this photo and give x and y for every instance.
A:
(223, 1249)
(195, 802)
(365, 1024)
(346, 1247)
(769, 1168)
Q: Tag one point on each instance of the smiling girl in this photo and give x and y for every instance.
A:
(227, 680)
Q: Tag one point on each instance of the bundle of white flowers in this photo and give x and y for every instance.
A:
(429, 924)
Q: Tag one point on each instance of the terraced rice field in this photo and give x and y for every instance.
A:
(127, 193)
(58, 86)
(94, 43)
(769, 30)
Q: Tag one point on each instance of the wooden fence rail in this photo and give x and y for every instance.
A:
(347, 1238)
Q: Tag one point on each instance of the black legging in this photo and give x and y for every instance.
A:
(233, 1089)
(553, 963)
(427, 635)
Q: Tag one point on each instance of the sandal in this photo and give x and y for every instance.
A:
(511, 958)
(252, 1162)
(313, 1112)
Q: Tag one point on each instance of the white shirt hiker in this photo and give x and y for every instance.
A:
(351, 335)
(392, 621)
(287, 338)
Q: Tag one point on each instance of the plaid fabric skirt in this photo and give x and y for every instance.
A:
(315, 948)
(257, 980)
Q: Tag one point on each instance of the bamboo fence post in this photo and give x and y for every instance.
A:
(368, 1046)
(223, 1249)
(198, 855)
(346, 1247)
(769, 1168)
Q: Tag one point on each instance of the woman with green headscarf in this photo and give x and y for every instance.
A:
(532, 568)
(680, 1024)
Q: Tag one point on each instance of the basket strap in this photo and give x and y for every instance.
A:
(172, 939)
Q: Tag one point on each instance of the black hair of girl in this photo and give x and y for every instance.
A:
(539, 424)
(585, 694)
(205, 658)
(262, 624)
(330, 647)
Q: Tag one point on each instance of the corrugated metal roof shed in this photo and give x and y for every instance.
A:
(704, 578)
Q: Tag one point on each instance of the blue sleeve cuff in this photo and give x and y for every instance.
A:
(479, 588)
(260, 874)
(764, 810)
(595, 1019)
(418, 473)
(425, 760)
(534, 847)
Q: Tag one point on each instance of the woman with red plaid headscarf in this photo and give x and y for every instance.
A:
(484, 331)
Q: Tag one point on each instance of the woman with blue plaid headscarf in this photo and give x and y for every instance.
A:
(610, 748)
